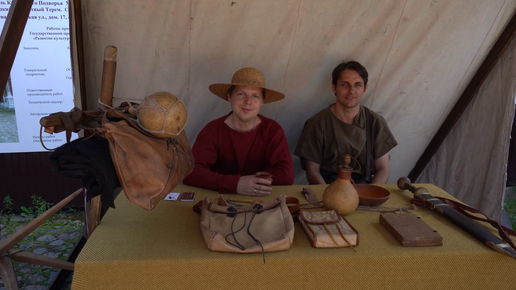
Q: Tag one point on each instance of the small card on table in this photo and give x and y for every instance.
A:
(172, 196)
(188, 196)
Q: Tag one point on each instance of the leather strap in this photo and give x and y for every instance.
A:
(368, 144)
(289, 200)
(71, 122)
(229, 208)
(344, 238)
(197, 207)
(331, 236)
(309, 195)
(295, 207)
(464, 209)
(341, 235)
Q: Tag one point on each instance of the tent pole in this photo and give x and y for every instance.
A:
(79, 41)
(474, 85)
(11, 36)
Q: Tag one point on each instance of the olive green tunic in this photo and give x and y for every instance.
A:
(325, 139)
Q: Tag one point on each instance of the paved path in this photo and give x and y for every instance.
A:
(54, 239)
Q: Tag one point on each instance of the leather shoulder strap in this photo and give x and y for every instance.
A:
(368, 141)
(504, 232)
(294, 202)
(197, 207)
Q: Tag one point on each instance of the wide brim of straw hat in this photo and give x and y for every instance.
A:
(246, 77)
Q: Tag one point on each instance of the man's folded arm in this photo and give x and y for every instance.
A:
(313, 173)
(309, 149)
(205, 154)
(279, 159)
(382, 170)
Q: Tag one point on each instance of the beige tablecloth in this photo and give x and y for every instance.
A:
(164, 249)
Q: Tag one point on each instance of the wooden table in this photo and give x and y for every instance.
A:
(164, 249)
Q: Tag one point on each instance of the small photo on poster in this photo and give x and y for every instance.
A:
(8, 127)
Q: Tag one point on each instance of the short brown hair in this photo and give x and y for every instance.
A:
(351, 65)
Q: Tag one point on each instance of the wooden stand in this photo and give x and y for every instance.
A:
(93, 207)
(9, 42)
(7, 254)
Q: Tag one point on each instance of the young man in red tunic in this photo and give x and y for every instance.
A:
(230, 150)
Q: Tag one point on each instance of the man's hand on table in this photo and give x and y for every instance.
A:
(252, 185)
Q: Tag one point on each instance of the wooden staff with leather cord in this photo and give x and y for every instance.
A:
(108, 76)
(106, 89)
(92, 207)
(459, 219)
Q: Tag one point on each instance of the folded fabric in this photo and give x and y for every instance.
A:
(88, 159)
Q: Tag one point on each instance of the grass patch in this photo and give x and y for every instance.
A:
(509, 205)
(68, 221)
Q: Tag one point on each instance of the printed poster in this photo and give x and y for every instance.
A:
(40, 82)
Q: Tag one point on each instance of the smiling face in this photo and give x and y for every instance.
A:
(349, 89)
(246, 102)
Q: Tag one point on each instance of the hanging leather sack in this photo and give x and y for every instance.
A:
(258, 228)
(147, 167)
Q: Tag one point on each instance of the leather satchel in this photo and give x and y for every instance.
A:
(255, 228)
(327, 229)
(147, 167)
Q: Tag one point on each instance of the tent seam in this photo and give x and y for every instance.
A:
(478, 49)
(388, 54)
(290, 53)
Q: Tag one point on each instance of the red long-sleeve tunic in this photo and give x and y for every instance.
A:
(222, 155)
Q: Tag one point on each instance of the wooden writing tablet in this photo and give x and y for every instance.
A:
(410, 230)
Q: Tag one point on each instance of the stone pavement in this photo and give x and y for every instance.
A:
(55, 239)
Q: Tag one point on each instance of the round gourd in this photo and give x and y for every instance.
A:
(341, 194)
(162, 114)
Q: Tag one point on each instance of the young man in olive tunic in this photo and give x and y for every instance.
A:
(341, 129)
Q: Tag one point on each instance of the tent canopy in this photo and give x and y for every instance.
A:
(420, 56)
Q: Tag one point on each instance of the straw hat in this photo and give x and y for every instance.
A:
(247, 77)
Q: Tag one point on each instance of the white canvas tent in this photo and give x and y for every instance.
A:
(420, 56)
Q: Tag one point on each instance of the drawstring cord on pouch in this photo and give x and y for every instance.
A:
(256, 207)
(232, 209)
(234, 212)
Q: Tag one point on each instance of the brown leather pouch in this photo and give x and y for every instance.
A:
(148, 167)
(327, 229)
(230, 227)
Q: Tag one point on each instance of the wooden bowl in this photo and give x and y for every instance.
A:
(372, 195)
